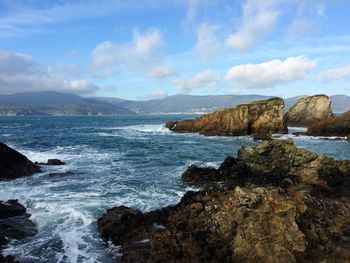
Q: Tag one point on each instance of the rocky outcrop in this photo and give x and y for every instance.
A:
(309, 110)
(275, 203)
(335, 126)
(14, 165)
(14, 224)
(264, 117)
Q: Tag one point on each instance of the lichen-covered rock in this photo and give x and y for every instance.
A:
(264, 117)
(259, 218)
(334, 126)
(14, 164)
(309, 110)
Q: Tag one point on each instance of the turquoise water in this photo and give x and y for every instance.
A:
(129, 160)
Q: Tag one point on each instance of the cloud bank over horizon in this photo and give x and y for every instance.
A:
(151, 49)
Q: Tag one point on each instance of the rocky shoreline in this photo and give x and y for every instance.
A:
(274, 203)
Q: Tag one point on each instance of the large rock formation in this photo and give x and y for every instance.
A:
(334, 126)
(14, 164)
(262, 117)
(14, 224)
(309, 110)
(275, 203)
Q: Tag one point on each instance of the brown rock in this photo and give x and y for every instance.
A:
(14, 164)
(309, 110)
(334, 126)
(265, 117)
(260, 219)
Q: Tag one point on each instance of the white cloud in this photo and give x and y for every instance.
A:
(270, 73)
(336, 74)
(259, 19)
(158, 94)
(299, 28)
(161, 72)
(20, 73)
(143, 52)
(192, 8)
(207, 44)
(206, 79)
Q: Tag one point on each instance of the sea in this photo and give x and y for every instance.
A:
(116, 160)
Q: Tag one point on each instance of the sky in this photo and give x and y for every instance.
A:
(147, 49)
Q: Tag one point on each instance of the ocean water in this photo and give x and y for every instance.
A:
(116, 160)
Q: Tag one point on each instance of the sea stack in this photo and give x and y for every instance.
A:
(334, 126)
(309, 110)
(258, 117)
(14, 164)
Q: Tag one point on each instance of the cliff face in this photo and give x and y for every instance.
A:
(334, 126)
(274, 203)
(307, 111)
(266, 116)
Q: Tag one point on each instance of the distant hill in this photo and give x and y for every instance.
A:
(55, 103)
(187, 103)
(203, 104)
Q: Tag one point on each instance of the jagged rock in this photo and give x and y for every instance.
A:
(277, 163)
(261, 218)
(14, 221)
(14, 165)
(54, 162)
(264, 117)
(334, 126)
(258, 136)
(309, 110)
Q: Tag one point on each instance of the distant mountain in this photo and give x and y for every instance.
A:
(341, 103)
(186, 103)
(55, 103)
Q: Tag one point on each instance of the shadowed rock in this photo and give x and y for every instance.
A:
(261, 117)
(54, 162)
(14, 164)
(309, 110)
(335, 126)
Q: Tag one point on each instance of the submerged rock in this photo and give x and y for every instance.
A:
(335, 126)
(68, 173)
(262, 117)
(285, 204)
(54, 162)
(14, 164)
(309, 110)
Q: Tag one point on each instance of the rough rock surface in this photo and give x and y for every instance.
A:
(295, 208)
(14, 224)
(14, 165)
(309, 110)
(335, 126)
(264, 117)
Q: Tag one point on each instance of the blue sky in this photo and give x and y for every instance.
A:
(143, 49)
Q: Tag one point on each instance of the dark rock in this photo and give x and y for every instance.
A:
(14, 165)
(14, 221)
(309, 110)
(54, 162)
(11, 208)
(258, 136)
(334, 126)
(264, 117)
(200, 176)
(68, 173)
(8, 259)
